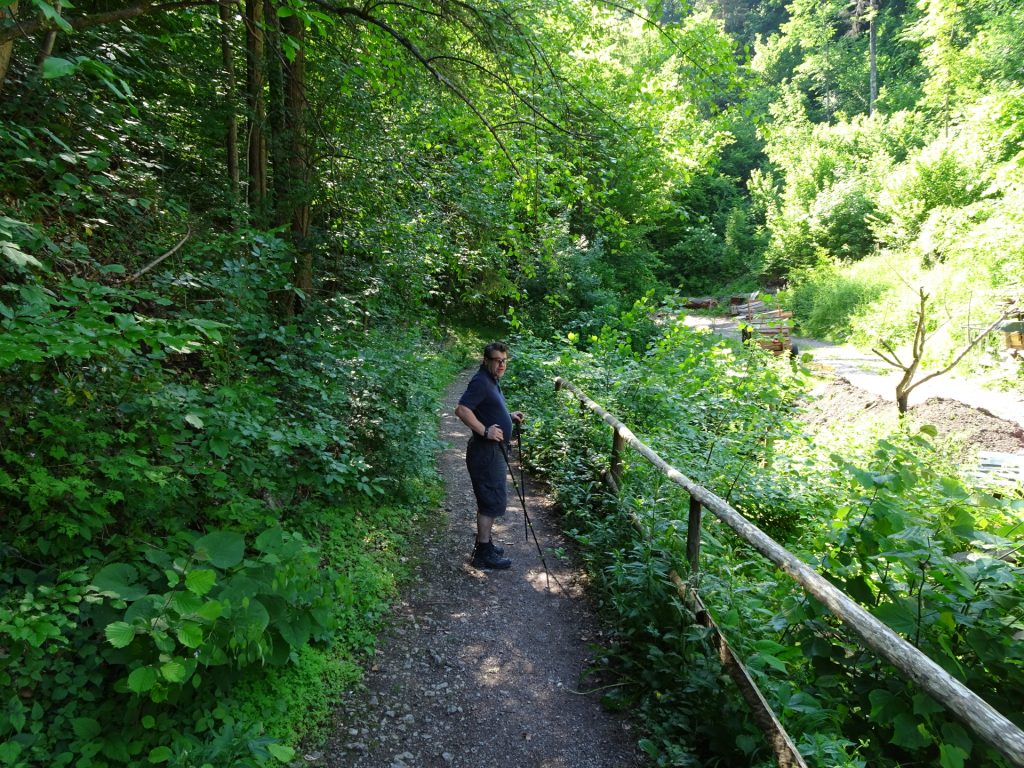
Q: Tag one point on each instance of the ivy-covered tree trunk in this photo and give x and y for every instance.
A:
(257, 149)
(231, 123)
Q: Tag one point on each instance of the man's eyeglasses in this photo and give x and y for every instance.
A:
(499, 360)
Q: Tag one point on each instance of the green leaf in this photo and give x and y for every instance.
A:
(173, 672)
(220, 447)
(142, 679)
(295, 631)
(190, 635)
(120, 634)
(270, 540)
(899, 617)
(118, 580)
(951, 756)
(186, 603)
(9, 752)
(649, 747)
(251, 620)
(201, 580)
(210, 611)
(160, 755)
(909, 731)
(926, 705)
(18, 256)
(281, 752)
(86, 727)
(223, 549)
(194, 420)
(54, 67)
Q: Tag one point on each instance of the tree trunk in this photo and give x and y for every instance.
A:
(277, 142)
(873, 57)
(297, 198)
(257, 150)
(49, 40)
(6, 49)
(231, 124)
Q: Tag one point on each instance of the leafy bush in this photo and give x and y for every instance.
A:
(826, 297)
(190, 499)
(938, 177)
(888, 520)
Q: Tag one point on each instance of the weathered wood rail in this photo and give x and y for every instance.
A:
(961, 701)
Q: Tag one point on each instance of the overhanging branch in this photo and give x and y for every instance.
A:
(17, 30)
(425, 61)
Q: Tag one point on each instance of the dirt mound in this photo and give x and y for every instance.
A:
(837, 402)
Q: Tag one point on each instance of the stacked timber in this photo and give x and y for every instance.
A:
(769, 329)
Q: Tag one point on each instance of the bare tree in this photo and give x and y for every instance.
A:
(907, 384)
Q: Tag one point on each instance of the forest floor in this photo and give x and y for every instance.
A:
(487, 668)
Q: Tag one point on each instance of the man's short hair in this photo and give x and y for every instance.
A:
(495, 346)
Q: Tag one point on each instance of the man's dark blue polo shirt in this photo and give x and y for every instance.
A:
(483, 397)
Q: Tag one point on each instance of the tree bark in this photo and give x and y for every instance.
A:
(277, 142)
(254, 80)
(297, 198)
(49, 40)
(7, 47)
(231, 123)
(873, 57)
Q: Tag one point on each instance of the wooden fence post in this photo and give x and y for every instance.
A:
(693, 535)
(616, 461)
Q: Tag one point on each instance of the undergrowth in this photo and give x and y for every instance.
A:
(203, 518)
(886, 518)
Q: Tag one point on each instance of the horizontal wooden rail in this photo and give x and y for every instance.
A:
(966, 705)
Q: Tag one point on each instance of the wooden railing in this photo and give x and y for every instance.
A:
(962, 702)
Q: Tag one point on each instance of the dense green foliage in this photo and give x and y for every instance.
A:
(885, 517)
(236, 244)
(171, 485)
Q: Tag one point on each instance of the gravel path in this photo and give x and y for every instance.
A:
(482, 668)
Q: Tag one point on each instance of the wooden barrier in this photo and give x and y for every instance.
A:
(967, 706)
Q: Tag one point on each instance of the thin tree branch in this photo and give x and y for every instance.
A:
(966, 349)
(892, 360)
(160, 258)
(415, 52)
(511, 88)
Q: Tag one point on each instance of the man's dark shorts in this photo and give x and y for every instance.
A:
(487, 468)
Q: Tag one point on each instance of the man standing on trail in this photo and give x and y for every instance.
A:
(482, 408)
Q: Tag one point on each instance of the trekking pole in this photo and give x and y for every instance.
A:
(522, 478)
(529, 522)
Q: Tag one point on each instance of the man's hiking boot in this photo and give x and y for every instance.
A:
(497, 550)
(486, 556)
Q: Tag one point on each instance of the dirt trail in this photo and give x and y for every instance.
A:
(482, 668)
